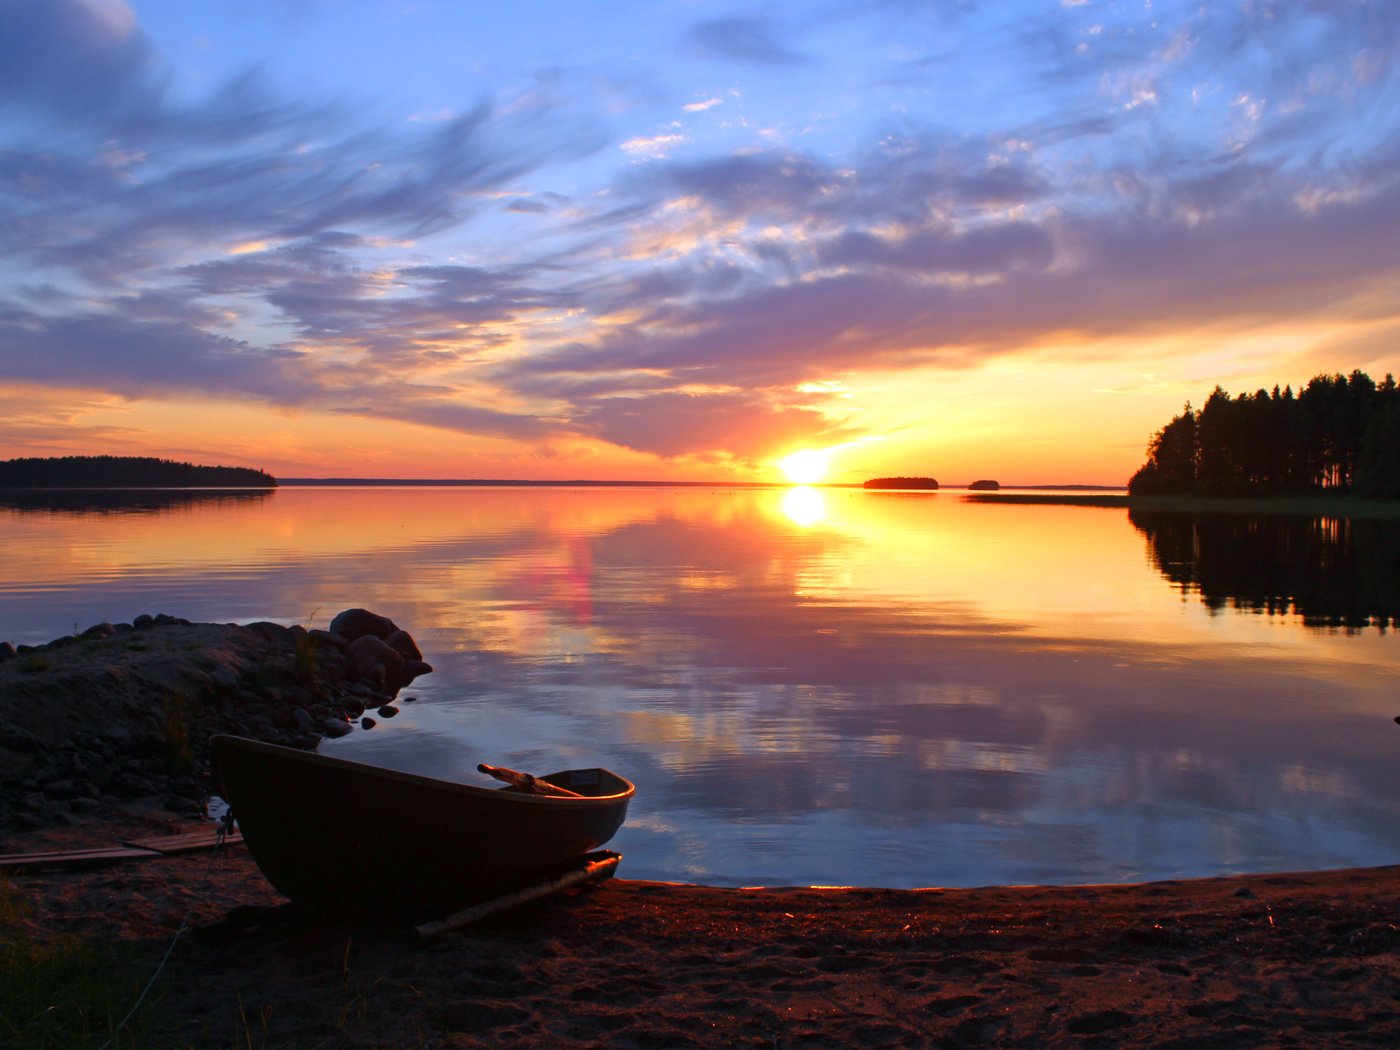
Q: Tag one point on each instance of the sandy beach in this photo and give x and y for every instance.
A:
(1309, 959)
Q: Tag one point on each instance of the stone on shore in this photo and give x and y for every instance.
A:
(126, 710)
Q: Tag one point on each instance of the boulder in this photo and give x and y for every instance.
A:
(404, 643)
(356, 623)
(82, 719)
(374, 660)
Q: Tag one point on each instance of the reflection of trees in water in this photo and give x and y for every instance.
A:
(78, 502)
(1332, 572)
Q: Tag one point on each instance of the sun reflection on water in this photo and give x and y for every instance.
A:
(804, 505)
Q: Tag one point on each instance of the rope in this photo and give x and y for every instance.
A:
(225, 826)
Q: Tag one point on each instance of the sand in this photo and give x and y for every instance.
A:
(1309, 959)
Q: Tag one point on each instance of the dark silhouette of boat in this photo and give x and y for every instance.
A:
(345, 836)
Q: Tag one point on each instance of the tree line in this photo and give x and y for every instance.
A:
(103, 472)
(1337, 435)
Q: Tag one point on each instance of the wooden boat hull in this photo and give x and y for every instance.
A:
(336, 834)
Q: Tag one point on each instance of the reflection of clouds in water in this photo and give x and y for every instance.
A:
(1303, 780)
(916, 692)
(744, 701)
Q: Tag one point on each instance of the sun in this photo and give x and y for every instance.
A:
(806, 466)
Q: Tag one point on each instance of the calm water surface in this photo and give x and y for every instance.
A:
(824, 686)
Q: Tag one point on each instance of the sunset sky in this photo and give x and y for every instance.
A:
(426, 238)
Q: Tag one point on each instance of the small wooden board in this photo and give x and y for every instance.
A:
(77, 858)
(132, 849)
(205, 838)
(591, 867)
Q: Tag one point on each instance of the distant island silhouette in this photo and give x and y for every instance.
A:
(123, 472)
(901, 483)
(985, 485)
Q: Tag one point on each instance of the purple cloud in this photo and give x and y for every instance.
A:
(677, 424)
(752, 41)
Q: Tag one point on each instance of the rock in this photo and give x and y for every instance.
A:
(367, 722)
(223, 678)
(406, 647)
(388, 711)
(356, 623)
(17, 739)
(105, 721)
(374, 660)
(273, 632)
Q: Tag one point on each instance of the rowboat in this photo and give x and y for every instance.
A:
(341, 835)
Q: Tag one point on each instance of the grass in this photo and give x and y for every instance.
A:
(66, 991)
(179, 755)
(63, 991)
(35, 662)
(307, 664)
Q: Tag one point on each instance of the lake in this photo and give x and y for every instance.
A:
(822, 686)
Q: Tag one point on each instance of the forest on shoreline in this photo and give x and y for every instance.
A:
(108, 472)
(1339, 435)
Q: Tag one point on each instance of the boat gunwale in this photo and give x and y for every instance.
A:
(488, 794)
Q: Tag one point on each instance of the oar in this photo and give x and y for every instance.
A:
(529, 782)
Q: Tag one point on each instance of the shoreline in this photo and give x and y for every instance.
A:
(1305, 958)
(1303, 506)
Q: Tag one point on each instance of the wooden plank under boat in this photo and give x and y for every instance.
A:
(336, 834)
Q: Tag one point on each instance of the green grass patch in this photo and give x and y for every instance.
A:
(33, 663)
(65, 992)
(177, 714)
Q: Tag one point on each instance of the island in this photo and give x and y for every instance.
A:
(108, 472)
(985, 485)
(901, 483)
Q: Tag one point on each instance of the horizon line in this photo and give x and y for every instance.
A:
(620, 483)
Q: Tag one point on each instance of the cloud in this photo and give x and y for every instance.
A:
(137, 178)
(1231, 249)
(652, 146)
(134, 358)
(769, 184)
(993, 249)
(82, 60)
(751, 41)
(673, 424)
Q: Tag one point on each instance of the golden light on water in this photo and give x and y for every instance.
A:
(805, 506)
